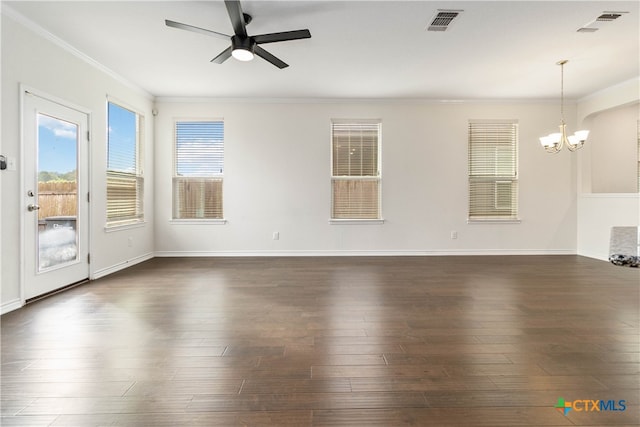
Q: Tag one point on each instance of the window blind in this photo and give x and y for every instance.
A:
(355, 170)
(125, 181)
(199, 168)
(493, 178)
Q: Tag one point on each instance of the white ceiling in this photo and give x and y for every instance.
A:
(358, 49)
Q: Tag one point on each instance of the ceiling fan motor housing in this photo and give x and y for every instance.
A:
(243, 43)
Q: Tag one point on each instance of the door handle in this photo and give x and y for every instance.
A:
(32, 208)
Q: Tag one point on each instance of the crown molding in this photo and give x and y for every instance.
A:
(351, 101)
(8, 11)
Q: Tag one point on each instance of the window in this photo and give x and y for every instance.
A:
(493, 177)
(198, 170)
(125, 181)
(355, 176)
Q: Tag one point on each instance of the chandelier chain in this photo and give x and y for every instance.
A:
(562, 90)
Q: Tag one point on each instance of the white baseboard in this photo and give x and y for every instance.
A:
(597, 256)
(444, 252)
(121, 266)
(10, 306)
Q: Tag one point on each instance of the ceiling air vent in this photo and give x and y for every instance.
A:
(609, 16)
(601, 20)
(587, 30)
(443, 19)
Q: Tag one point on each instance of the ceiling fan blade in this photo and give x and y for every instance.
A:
(223, 56)
(269, 57)
(283, 36)
(237, 17)
(188, 27)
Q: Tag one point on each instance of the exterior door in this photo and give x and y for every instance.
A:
(56, 207)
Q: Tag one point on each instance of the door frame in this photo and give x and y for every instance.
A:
(23, 198)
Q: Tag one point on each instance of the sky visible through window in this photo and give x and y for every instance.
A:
(199, 148)
(57, 148)
(122, 139)
(57, 142)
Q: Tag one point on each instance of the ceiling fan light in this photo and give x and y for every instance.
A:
(242, 48)
(242, 54)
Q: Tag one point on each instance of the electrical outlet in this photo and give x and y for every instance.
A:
(454, 235)
(130, 241)
(276, 235)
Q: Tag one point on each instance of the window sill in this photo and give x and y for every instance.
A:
(356, 221)
(202, 221)
(124, 226)
(494, 221)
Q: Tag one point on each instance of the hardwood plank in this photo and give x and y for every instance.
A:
(505, 398)
(294, 386)
(21, 421)
(441, 417)
(191, 419)
(620, 382)
(390, 371)
(296, 401)
(167, 389)
(548, 382)
(386, 384)
(602, 368)
(328, 359)
(506, 369)
(444, 359)
(105, 405)
(191, 373)
(64, 388)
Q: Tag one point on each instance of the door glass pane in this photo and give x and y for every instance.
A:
(57, 191)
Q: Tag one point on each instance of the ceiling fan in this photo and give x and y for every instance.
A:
(243, 46)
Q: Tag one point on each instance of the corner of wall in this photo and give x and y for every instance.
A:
(625, 93)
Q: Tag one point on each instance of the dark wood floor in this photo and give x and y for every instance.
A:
(486, 341)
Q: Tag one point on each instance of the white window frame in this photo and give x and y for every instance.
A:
(479, 209)
(123, 221)
(211, 178)
(357, 178)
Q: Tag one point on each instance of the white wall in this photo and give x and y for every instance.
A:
(597, 214)
(613, 141)
(277, 169)
(34, 60)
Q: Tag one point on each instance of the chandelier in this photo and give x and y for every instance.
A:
(554, 142)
